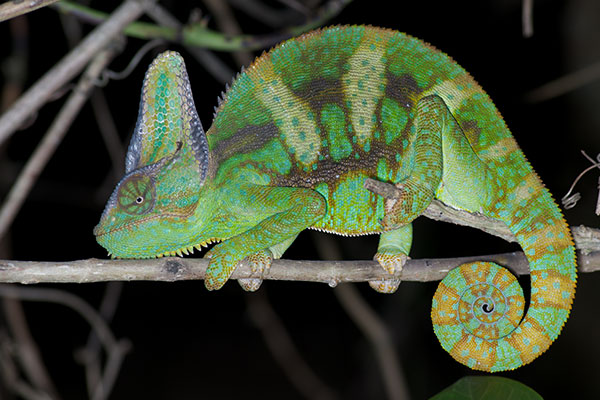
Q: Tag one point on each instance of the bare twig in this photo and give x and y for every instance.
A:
(115, 349)
(51, 140)
(284, 351)
(331, 272)
(586, 239)
(197, 34)
(90, 355)
(109, 132)
(370, 324)
(564, 84)
(377, 333)
(217, 68)
(14, 8)
(67, 299)
(267, 16)
(527, 18)
(27, 349)
(14, 66)
(441, 212)
(69, 66)
(568, 200)
(225, 20)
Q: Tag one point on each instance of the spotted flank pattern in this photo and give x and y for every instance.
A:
(291, 145)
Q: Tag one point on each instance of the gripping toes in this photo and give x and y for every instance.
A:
(392, 253)
(260, 263)
(221, 266)
(391, 262)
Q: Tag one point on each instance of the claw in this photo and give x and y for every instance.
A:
(387, 286)
(259, 264)
(391, 263)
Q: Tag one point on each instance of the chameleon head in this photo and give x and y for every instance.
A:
(152, 209)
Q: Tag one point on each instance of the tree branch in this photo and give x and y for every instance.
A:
(197, 34)
(171, 269)
(69, 66)
(14, 8)
(115, 349)
(587, 241)
(44, 151)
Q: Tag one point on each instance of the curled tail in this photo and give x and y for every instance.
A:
(477, 309)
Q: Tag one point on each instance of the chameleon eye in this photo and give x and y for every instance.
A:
(136, 195)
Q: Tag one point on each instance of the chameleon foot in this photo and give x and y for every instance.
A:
(391, 262)
(259, 264)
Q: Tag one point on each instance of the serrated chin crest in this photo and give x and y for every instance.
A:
(187, 250)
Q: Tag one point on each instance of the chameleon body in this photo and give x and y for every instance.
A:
(290, 147)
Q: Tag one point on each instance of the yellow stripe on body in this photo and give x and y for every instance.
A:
(529, 187)
(502, 148)
(293, 116)
(364, 86)
(456, 91)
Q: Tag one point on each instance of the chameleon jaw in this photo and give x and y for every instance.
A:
(187, 250)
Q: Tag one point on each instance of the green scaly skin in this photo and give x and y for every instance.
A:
(290, 147)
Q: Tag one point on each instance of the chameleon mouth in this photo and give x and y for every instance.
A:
(186, 250)
(99, 231)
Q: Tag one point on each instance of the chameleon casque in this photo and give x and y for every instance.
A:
(291, 144)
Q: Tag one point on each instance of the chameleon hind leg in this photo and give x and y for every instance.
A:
(260, 262)
(416, 192)
(392, 254)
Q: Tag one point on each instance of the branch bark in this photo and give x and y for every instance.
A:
(171, 269)
(69, 66)
(587, 241)
(44, 151)
(14, 8)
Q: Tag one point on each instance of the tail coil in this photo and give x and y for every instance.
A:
(474, 308)
(477, 310)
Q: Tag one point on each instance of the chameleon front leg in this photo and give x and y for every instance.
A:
(417, 191)
(293, 210)
(260, 262)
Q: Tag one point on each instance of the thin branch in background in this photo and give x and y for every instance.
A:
(284, 351)
(527, 18)
(564, 84)
(296, 5)
(90, 354)
(197, 34)
(226, 22)
(14, 8)
(51, 140)
(369, 323)
(108, 131)
(264, 14)
(133, 63)
(30, 102)
(10, 374)
(26, 349)
(104, 119)
(115, 349)
(217, 68)
(569, 200)
(15, 66)
(597, 163)
(378, 335)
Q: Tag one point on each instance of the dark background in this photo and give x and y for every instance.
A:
(190, 343)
